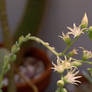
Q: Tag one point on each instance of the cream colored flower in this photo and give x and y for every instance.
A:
(65, 37)
(58, 67)
(67, 63)
(76, 31)
(87, 54)
(73, 52)
(71, 77)
(62, 64)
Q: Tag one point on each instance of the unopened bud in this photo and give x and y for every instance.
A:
(84, 22)
(73, 52)
(60, 83)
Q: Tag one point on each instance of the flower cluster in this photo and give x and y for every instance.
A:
(76, 30)
(69, 63)
(63, 64)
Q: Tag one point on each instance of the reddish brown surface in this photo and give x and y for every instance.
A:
(41, 82)
(83, 80)
(82, 86)
(1, 45)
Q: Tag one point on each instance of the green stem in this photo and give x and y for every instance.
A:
(67, 48)
(15, 48)
(88, 62)
(45, 44)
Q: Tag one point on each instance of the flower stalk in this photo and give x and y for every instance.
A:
(68, 63)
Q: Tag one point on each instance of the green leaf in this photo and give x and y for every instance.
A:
(13, 58)
(15, 48)
(90, 33)
(21, 39)
(31, 19)
(3, 52)
(1, 90)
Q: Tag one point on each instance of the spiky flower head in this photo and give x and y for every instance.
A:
(58, 67)
(66, 38)
(71, 77)
(62, 64)
(75, 31)
(67, 63)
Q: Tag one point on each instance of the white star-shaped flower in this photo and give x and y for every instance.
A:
(71, 77)
(76, 31)
(62, 64)
(58, 67)
(64, 36)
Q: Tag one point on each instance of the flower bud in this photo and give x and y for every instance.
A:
(90, 28)
(60, 83)
(73, 52)
(84, 22)
(87, 54)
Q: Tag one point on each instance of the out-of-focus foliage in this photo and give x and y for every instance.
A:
(31, 19)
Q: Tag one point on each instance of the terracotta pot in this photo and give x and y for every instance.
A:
(85, 86)
(41, 82)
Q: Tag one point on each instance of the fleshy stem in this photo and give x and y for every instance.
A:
(67, 48)
(15, 48)
(61, 89)
(52, 49)
(60, 85)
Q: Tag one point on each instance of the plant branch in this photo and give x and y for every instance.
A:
(67, 48)
(27, 81)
